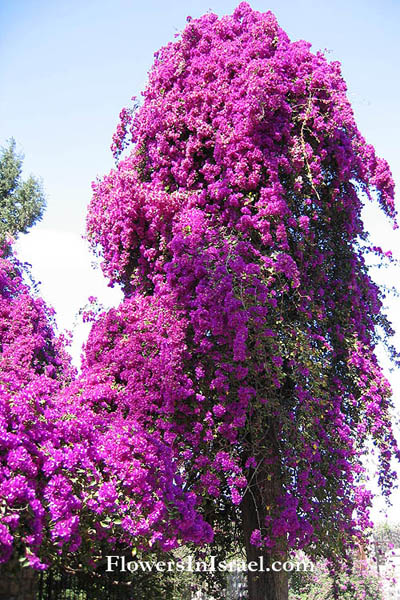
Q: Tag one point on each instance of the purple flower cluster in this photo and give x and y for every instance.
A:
(70, 471)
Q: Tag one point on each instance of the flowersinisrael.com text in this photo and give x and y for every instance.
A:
(121, 564)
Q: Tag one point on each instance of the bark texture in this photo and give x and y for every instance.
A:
(267, 585)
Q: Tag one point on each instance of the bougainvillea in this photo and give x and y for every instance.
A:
(236, 213)
(33, 365)
(71, 477)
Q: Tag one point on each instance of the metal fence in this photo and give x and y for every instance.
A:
(92, 585)
(56, 585)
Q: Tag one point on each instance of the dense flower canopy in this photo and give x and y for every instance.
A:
(71, 476)
(237, 213)
(33, 365)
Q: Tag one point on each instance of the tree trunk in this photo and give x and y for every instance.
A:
(267, 585)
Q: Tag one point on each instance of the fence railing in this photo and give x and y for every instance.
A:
(57, 585)
(92, 585)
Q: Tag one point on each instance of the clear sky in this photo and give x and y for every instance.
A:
(68, 67)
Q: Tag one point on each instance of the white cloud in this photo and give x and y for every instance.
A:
(61, 261)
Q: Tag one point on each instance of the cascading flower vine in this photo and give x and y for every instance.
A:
(237, 213)
(33, 367)
(71, 477)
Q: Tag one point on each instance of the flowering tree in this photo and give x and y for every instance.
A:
(71, 477)
(247, 336)
(33, 366)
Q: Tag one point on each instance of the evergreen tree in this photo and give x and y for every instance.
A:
(21, 202)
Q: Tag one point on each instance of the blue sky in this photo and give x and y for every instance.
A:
(68, 67)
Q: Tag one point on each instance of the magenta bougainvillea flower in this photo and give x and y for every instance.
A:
(70, 472)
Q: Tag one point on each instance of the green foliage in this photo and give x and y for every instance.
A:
(358, 583)
(21, 202)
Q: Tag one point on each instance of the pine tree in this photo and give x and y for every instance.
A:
(21, 202)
